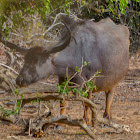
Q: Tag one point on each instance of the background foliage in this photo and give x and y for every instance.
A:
(20, 17)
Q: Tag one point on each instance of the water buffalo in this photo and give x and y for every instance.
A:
(104, 44)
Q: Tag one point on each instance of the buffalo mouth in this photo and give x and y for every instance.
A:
(23, 83)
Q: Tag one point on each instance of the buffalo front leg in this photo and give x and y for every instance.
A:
(62, 103)
(109, 100)
(87, 111)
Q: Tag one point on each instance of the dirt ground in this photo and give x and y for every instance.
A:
(125, 111)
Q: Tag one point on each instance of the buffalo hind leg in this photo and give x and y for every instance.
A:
(87, 111)
(109, 100)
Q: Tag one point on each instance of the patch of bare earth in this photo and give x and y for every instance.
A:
(125, 111)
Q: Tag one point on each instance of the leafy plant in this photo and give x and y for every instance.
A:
(82, 90)
(16, 111)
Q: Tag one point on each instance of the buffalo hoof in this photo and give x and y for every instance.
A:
(107, 116)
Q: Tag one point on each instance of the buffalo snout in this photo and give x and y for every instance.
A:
(20, 81)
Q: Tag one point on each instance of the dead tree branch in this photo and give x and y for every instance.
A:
(59, 97)
(8, 68)
(119, 128)
(38, 125)
(7, 78)
(10, 118)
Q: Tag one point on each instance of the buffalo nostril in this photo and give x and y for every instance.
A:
(19, 80)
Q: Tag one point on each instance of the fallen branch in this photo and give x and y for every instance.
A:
(36, 125)
(118, 127)
(59, 97)
(39, 89)
(10, 118)
(7, 78)
(67, 120)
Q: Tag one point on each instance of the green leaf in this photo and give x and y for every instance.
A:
(17, 92)
(21, 96)
(85, 94)
(74, 90)
(18, 103)
(95, 87)
(77, 69)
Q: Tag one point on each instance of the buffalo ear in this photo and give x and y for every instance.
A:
(68, 20)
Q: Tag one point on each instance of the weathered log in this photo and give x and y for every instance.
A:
(39, 89)
(10, 118)
(59, 97)
(66, 120)
(119, 128)
(38, 125)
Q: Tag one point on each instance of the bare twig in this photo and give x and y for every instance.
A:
(53, 25)
(9, 68)
(11, 59)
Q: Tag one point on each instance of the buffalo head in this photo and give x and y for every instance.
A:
(36, 59)
(38, 63)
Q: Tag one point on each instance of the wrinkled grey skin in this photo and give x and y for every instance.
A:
(103, 44)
